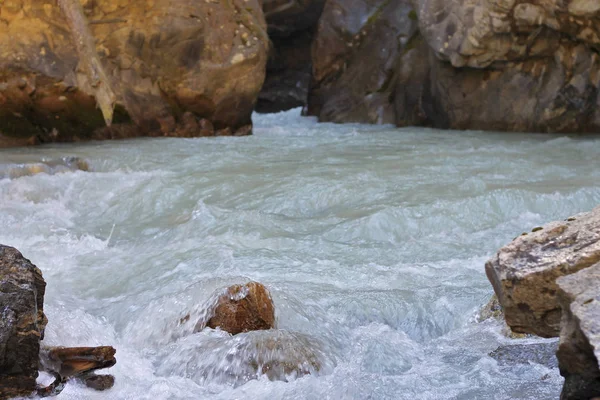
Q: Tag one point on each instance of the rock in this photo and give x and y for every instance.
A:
(524, 272)
(99, 382)
(242, 308)
(538, 353)
(161, 60)
(579, 349)
(291, 26)
(22, 325)
(50, 167)
(536, 60)
(276, 354)
(357, 53)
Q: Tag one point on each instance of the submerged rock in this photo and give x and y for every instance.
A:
(242, 308)
(22, 324)
(537, 353)
(524, 272)
(152, 60)
(50, 167)
(579, 350)
(216, 357)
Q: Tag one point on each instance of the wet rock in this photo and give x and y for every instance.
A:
(49, 167)
(524, 272)
(357, 53)
(242, 308)
(291, 26)
(161, 60)
(579, 349)
(537, 353)
(278, 355)
(22, 325)
(99, 382)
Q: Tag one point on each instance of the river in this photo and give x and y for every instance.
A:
(371, 239)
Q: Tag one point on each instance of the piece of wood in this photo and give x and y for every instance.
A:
(89, 61)
(77, 361)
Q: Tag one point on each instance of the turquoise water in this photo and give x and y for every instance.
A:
(372, 241)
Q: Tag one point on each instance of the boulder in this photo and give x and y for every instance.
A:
(22, 325)
(356, 58)
(242, 308)
(579, 349)
(144, 63)
(536, 60)
(291, 26)
(524, 272)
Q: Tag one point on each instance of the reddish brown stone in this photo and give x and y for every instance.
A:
(244, 308)
(244, 131)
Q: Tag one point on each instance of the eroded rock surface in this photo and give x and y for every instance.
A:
(524, 272)
(22, 324)
(579, 349)
(162, 58)
(513, 65)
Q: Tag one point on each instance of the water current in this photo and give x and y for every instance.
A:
(371, 239)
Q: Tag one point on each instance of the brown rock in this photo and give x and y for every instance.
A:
(524, 272)
(22, 325)
(579, 349)
(161, 59)
(224, 132)
(206, 128)
(243, 308)
(99, 382)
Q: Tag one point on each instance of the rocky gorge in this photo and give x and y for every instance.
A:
(73, 71)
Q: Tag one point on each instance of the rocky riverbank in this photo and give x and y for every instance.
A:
(22, 326)
(107, 70)
(548, 283)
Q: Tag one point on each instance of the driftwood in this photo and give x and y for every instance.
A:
(66, 363)
(89, 61)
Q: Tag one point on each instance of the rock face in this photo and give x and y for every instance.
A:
(506, 65)
(356, 55)
(168, 64)
(535, 59)
(291, 26)
(243, 308)
(22, 325)
(579, 349)
(524, 272)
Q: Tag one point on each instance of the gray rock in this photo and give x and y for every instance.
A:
(579, 349)
(536, 353)
(22, 325)
(524, 272)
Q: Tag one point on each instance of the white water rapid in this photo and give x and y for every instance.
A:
(372, 241)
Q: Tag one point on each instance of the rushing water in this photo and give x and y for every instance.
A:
(372, 241)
